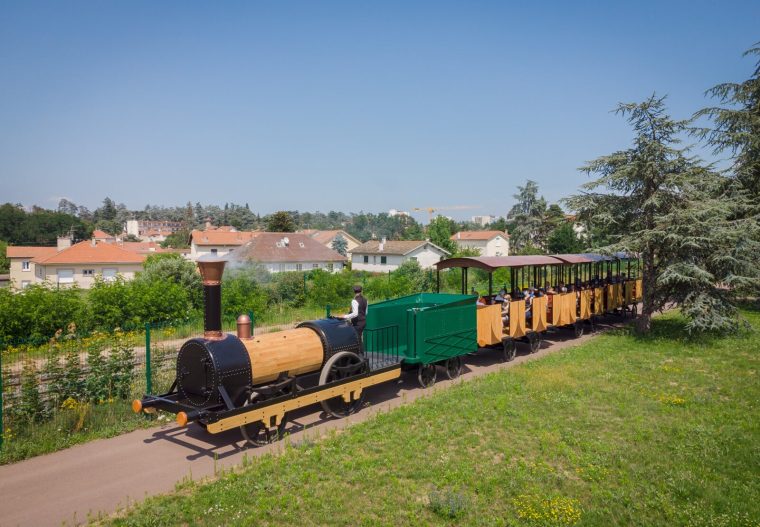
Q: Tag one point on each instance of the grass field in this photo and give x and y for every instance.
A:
(619, 431)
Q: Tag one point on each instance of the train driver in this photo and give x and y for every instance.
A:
(358, 314)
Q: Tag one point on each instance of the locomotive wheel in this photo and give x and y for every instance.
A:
(509, 349)
(426, 375)
(578, 328)
(453, 367)
(341, 366)
(534, 339)
(257, 434)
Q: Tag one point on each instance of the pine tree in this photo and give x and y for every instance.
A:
(737, 126)
(677, 214)
(340, 245)
(281, 221)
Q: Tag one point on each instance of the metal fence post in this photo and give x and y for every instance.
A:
(327, 311)
(2, 430)
(253, 325)
(148, 376)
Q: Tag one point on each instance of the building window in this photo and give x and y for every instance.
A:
(299, 267)
(109, 274)
(330, 267)
(315, 266)
(24, 284)
(88, 272)
(383, 260)
(65, 276)
(25, 265)
(413, 258)
(366, 259)
(214, 251)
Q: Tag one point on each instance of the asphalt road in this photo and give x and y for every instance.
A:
(100, 477)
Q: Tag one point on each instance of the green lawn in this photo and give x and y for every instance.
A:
(619, 431)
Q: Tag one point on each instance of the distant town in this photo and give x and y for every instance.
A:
(77, 247)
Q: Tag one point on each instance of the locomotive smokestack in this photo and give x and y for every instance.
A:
(211, 273)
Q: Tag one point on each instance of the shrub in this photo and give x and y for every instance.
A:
(330, 288)
(29, 408)
(242, 292)
(40, 310)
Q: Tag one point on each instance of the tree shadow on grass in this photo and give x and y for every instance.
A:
(672, 326)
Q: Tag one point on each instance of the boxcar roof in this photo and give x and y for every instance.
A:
(491, 263)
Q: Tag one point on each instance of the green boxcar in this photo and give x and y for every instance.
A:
(423, 328)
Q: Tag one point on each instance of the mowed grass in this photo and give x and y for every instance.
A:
(618, 431)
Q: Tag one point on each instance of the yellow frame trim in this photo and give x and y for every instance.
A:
(347, 391)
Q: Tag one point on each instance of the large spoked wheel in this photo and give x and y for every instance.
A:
(534, 340)
(509, 349)
(426, 375)
(578, 328)
(257, 434)
(341, 366)
(453, 367)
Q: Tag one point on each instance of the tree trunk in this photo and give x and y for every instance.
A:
(644, 322)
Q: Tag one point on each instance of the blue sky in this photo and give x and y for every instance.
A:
(340, 105)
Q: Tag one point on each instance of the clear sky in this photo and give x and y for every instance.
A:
(350, 106)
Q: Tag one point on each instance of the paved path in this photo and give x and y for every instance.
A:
(99, 477)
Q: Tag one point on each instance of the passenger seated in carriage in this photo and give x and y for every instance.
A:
(505, 313)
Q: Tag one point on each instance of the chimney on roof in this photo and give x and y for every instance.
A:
(459, 235)
(382, 244)
(93, 242)
(208, 224)
(64, 242)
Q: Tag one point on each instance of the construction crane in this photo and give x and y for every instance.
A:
(431, 210)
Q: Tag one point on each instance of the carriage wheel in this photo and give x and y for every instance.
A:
(578, 328)
(509, 349)
(257, 434)
(453, 367)
(426, 375)
(534, 339)
(340, 366)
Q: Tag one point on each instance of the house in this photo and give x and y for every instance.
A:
(489, 243)
(483, 220)
(153, 230)
(22, 269)
(103, 236)
(217, 241)
(76, 264)
(288, 251)
(327, 238)
(382, 256)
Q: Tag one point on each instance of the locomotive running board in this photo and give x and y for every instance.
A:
(274, 412)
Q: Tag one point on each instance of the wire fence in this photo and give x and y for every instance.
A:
(74, 387)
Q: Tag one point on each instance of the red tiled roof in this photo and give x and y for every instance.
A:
(101, 234)
(220, 237)
(142, 247)
(393, 247)
(478, 235)
(87, 252)
(30, 252)
(325, 237)
(269, 247)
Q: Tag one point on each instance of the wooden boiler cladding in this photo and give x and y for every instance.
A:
(294, 351)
